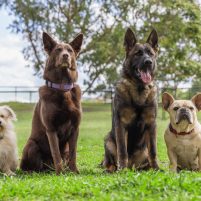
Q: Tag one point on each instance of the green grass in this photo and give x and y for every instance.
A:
(92, 183)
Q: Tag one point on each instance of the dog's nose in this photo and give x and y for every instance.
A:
(183, 110)
(65, 56)
(0, 122)
(148, 62)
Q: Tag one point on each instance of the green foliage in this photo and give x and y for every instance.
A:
(103, 23)
(92, 183)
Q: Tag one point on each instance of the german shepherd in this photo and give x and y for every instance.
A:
(56, 119)
(132, 141)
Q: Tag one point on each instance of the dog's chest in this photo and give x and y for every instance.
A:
(187, 153)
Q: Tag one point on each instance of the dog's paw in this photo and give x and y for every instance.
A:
(74, 170)
(10, 173)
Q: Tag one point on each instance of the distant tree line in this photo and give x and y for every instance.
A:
(103, 23)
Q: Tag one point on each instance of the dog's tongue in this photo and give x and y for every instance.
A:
(146, 77)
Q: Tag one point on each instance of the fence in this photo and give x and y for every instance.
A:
(30, 94)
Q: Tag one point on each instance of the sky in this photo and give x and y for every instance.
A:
(12, 63)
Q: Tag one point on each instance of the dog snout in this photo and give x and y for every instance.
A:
(0, 122)
(65, 56)
(148, 61)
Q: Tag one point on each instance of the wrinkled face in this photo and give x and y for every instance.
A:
(61, 64)
(182, 111)
(140, 62)
(6, 115)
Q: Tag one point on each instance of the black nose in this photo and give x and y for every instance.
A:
(183, 110)
(0, 122)
(65, 56)
(148, 62)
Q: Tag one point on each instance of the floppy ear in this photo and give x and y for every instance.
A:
(153, 40)
(197, 101)
(49, 42)
(11, 113)
(77, 43)
(167, 100)
(129, 40)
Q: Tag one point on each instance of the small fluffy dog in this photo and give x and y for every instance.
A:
(8, 144)
(183, 135)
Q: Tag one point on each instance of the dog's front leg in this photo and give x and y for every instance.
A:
(121, 140)
(73, 150)
(151, 143)
(54, 147)
(173, 159)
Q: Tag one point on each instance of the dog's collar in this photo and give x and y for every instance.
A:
(61, 87)
(181, 133)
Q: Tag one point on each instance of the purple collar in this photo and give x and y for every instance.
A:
(61, 87)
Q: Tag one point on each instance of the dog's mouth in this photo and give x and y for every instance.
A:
(144, 76)
(184, 117)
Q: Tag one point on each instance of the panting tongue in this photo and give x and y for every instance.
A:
(146, 77)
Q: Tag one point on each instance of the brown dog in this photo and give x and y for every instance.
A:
(132, 140)
(183, 135)
(57, 115)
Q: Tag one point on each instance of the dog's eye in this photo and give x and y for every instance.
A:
(150, 53)
(70, 50)
(139, 53)
(175, 108)
(191, 108)
(59, 49)
(2, 116)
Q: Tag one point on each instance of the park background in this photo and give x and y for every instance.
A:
(103, 23)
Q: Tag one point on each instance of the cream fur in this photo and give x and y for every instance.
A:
(8, 143)
(184, 151)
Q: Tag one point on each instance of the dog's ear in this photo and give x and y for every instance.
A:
(48, 42)
(153, 40)
(11, 113)
(197, 101)
(76, 43)
(167, 100)
(129, 40)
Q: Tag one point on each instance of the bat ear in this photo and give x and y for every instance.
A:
(129, 40)
(77, 43)
(153, 40)
(197, 101)
(167, 100)
(48, 42)
(11, 113)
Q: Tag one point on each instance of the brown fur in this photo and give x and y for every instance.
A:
(57, 115)
(132, 140)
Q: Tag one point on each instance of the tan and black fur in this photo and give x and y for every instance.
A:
(132, 141)
(57, 115)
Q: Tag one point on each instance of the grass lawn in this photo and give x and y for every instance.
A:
(92, 183)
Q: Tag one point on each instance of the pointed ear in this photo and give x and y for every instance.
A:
(49, 42)
(167, 100)
(197, 101)
(11, 113)
(153, 40)
(129, 40)
(77, 43)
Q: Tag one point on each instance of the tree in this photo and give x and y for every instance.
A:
(103, 24)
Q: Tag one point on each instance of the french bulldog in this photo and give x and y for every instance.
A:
(183, 134)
